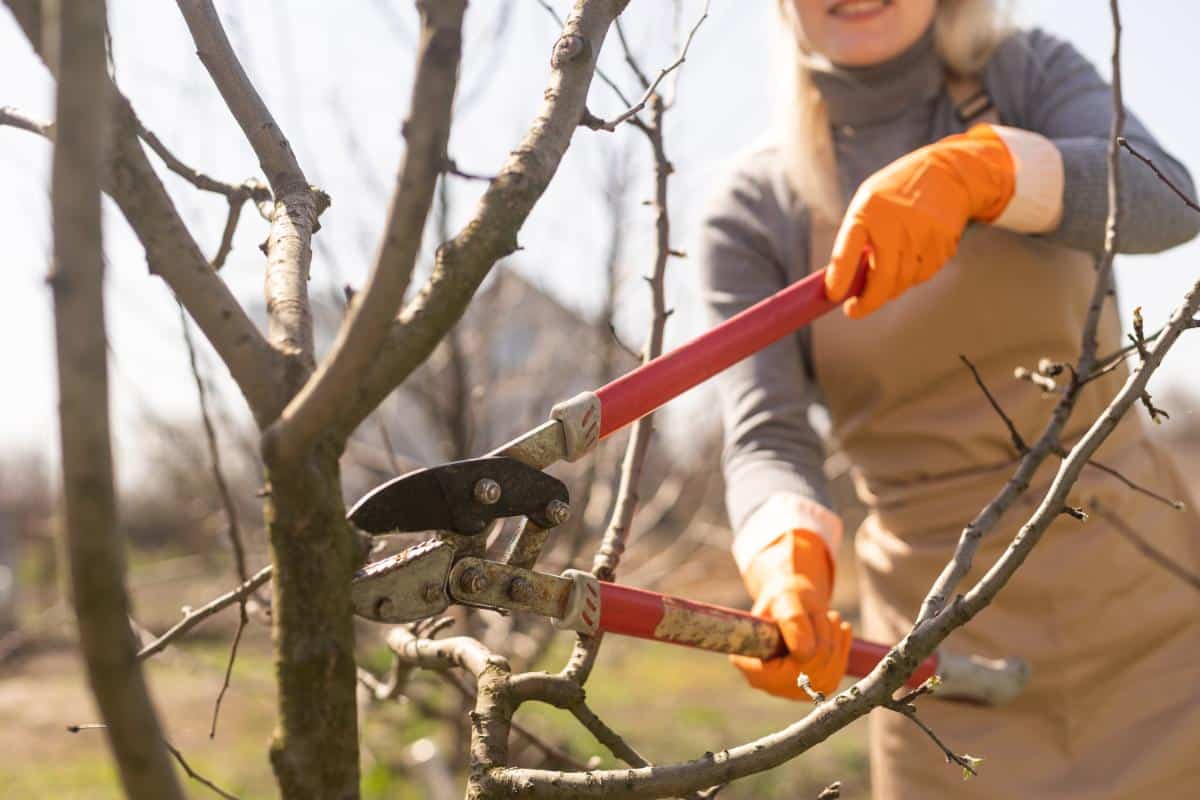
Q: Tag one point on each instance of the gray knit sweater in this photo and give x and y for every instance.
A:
(754, 238)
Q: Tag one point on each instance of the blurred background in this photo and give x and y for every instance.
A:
(565, 313)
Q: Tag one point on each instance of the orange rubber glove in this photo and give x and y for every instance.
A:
(910, 215)
(791, 580)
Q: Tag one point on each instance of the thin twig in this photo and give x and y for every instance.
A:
(634, 67)
(196, 776)
(15, 119)
(214, 452)
(1121, 140)
(607, 736)
(636, 108)
(965, 761)
(1018, 442)
(1178, 505)
(243, 620)
(195, 617)
(806, 686)
(235, 193)
(231, 517)
(1147, 549)
(450, 167)
(831, 792)
(174, 751)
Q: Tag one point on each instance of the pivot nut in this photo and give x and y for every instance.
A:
(558, 512)
(472, 581)
(487, 491)
(519, 590)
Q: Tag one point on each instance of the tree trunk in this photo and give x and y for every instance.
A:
(315, 747)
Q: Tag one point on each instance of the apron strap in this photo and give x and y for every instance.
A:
(971, 100)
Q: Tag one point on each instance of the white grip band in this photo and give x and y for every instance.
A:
(583, 606)
(1037, 201)
(990, 681)
(580, 418)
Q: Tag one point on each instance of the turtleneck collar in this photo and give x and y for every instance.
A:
(862, 95)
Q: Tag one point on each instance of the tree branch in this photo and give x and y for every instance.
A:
(1189, 202)
(195, 617)
(652, 86)
(464, 261)
(297, 206)
(1147, 549)
(964, 554)
(15, 119)
(235, 194)
(370, 313)
(94, 549)
(612, 544)
(171, 251)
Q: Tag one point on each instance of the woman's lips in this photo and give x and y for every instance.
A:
(858, 9)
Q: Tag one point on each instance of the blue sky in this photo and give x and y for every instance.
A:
(337, 78)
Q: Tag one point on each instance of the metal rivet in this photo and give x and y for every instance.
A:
(519, 589)
(487, 491)
(431, 591)
(472, 581)
(558, 512)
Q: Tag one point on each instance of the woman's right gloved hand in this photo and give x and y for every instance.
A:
(791, 580)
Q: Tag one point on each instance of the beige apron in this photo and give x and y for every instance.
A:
(1113, 707)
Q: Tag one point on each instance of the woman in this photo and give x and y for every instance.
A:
(976, 162)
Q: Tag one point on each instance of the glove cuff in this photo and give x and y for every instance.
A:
(797, 560)
(1039, 177)
(782, 512)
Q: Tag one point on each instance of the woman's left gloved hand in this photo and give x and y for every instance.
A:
(910, 215)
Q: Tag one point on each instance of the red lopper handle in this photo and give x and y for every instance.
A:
(650, 615)
(637, 393)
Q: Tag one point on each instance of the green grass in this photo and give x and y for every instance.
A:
(669, 703)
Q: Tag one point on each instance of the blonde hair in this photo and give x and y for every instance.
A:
(965, 34)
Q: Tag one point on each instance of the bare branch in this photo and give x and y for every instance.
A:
(607, 736)
(1137, 487)
(1189, 202)
(174, 751)
(232, 526)
(235, 194)
(297, 206)
(191, 175)
(831, 792)
(194, 617)
(196, 776)
(1147, 549)
(464, 261)
(170, 249)
(15, 119)
(450, 167)
(652, 87)
(601, 74)
(274, 153)
(630, 59)
(95, 553)
(942, 589)
(371, 311)
(968, 763)
(243, 620)
(1018, 442)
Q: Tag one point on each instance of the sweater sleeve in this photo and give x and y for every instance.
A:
(771, 451)
(1056, 92)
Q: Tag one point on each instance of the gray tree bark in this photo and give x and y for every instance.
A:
(94, 550)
